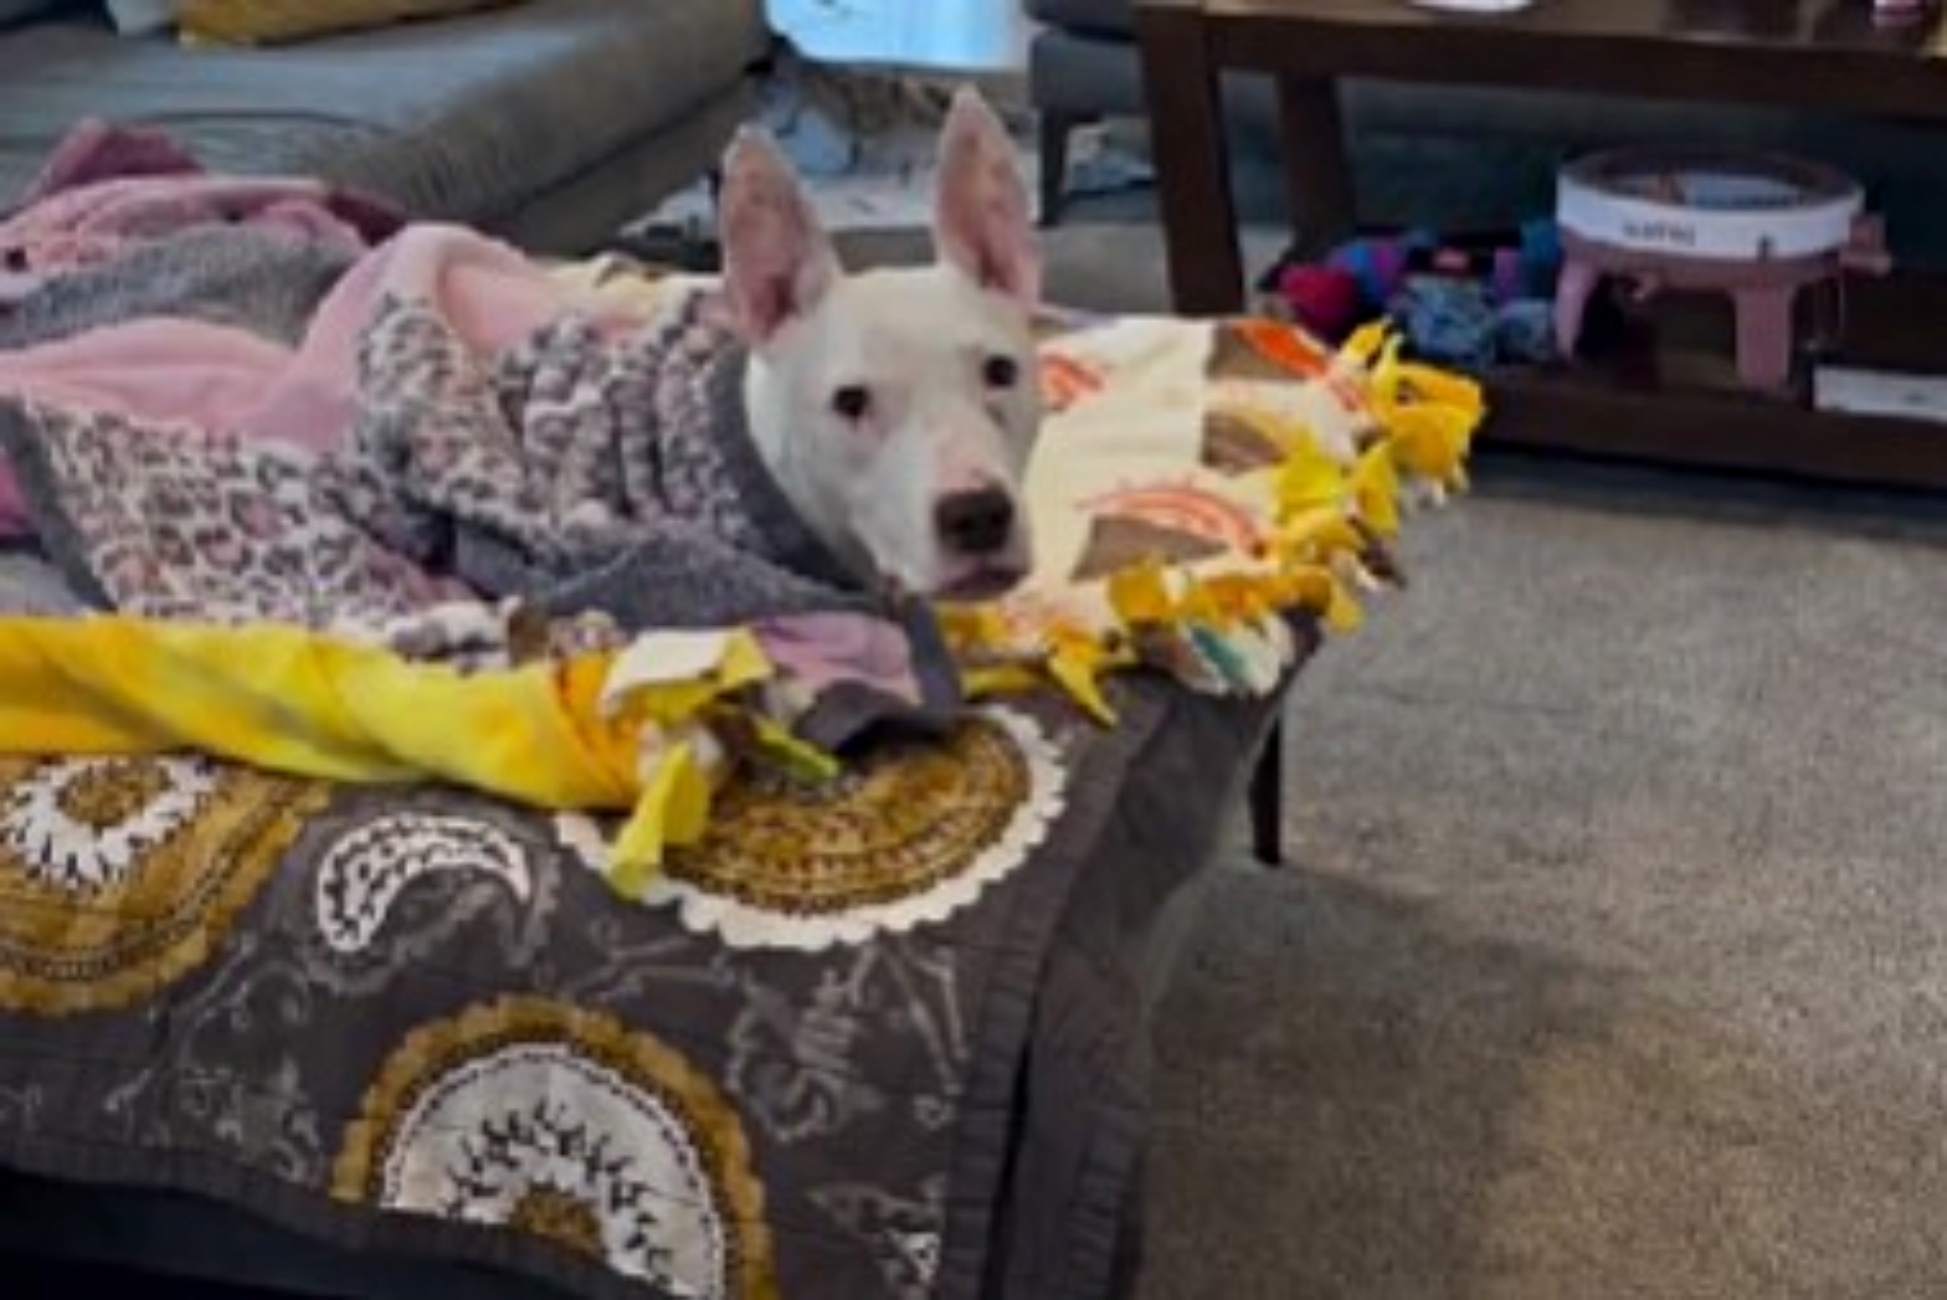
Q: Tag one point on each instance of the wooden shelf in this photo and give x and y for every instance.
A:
(1670, 394)
(1803, 53)
(1665, 390)
(1574, 411)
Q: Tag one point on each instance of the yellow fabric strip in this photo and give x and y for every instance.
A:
(293, 701)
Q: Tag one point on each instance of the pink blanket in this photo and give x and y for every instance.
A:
(216, 377)
(108, 188)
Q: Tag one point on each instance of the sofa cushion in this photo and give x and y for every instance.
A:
(1110, 16)
(466, 118)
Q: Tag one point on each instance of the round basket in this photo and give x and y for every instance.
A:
(1708, 204)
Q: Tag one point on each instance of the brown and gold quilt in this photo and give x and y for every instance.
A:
(423, 1021)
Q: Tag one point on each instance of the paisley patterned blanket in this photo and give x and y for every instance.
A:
(422, 1022)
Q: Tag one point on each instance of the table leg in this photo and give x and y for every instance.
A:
(1318, 173)
(1192, 157)
(1192, 154)
(1057, 133)
(1267, 801)
(1764, 335)
(1573, 292)
(1323, 207)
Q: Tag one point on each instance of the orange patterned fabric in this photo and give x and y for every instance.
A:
(1197, 480)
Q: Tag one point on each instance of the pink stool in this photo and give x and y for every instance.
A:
(1619, 221)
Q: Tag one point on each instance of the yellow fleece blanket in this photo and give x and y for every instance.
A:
(629, 731)
(284, 698)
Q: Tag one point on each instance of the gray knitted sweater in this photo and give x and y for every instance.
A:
(577, 470)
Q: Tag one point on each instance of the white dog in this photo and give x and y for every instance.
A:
(895, 408)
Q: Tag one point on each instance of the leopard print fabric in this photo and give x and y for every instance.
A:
(170, 522)
(565, 450)
(464, 475)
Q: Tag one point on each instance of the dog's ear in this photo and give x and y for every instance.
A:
(980, 218)
(777, 260)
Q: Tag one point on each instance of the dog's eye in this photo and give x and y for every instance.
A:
(852, 402)
(1000, 372)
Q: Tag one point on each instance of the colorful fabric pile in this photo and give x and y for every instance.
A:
(1472, 302)
(312, 481)
(1198, 486)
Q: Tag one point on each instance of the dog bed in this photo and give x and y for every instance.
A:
(874, 1031)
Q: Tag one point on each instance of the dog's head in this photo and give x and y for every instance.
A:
(896, 408)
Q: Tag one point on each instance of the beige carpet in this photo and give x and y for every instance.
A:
(1613, 964)
(1615, 959)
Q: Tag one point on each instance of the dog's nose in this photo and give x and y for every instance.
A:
(978, 522)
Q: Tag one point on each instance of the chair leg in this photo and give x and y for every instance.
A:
(1056, 130)
(1267, 801)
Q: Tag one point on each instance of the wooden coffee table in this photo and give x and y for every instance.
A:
(1654, 405)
